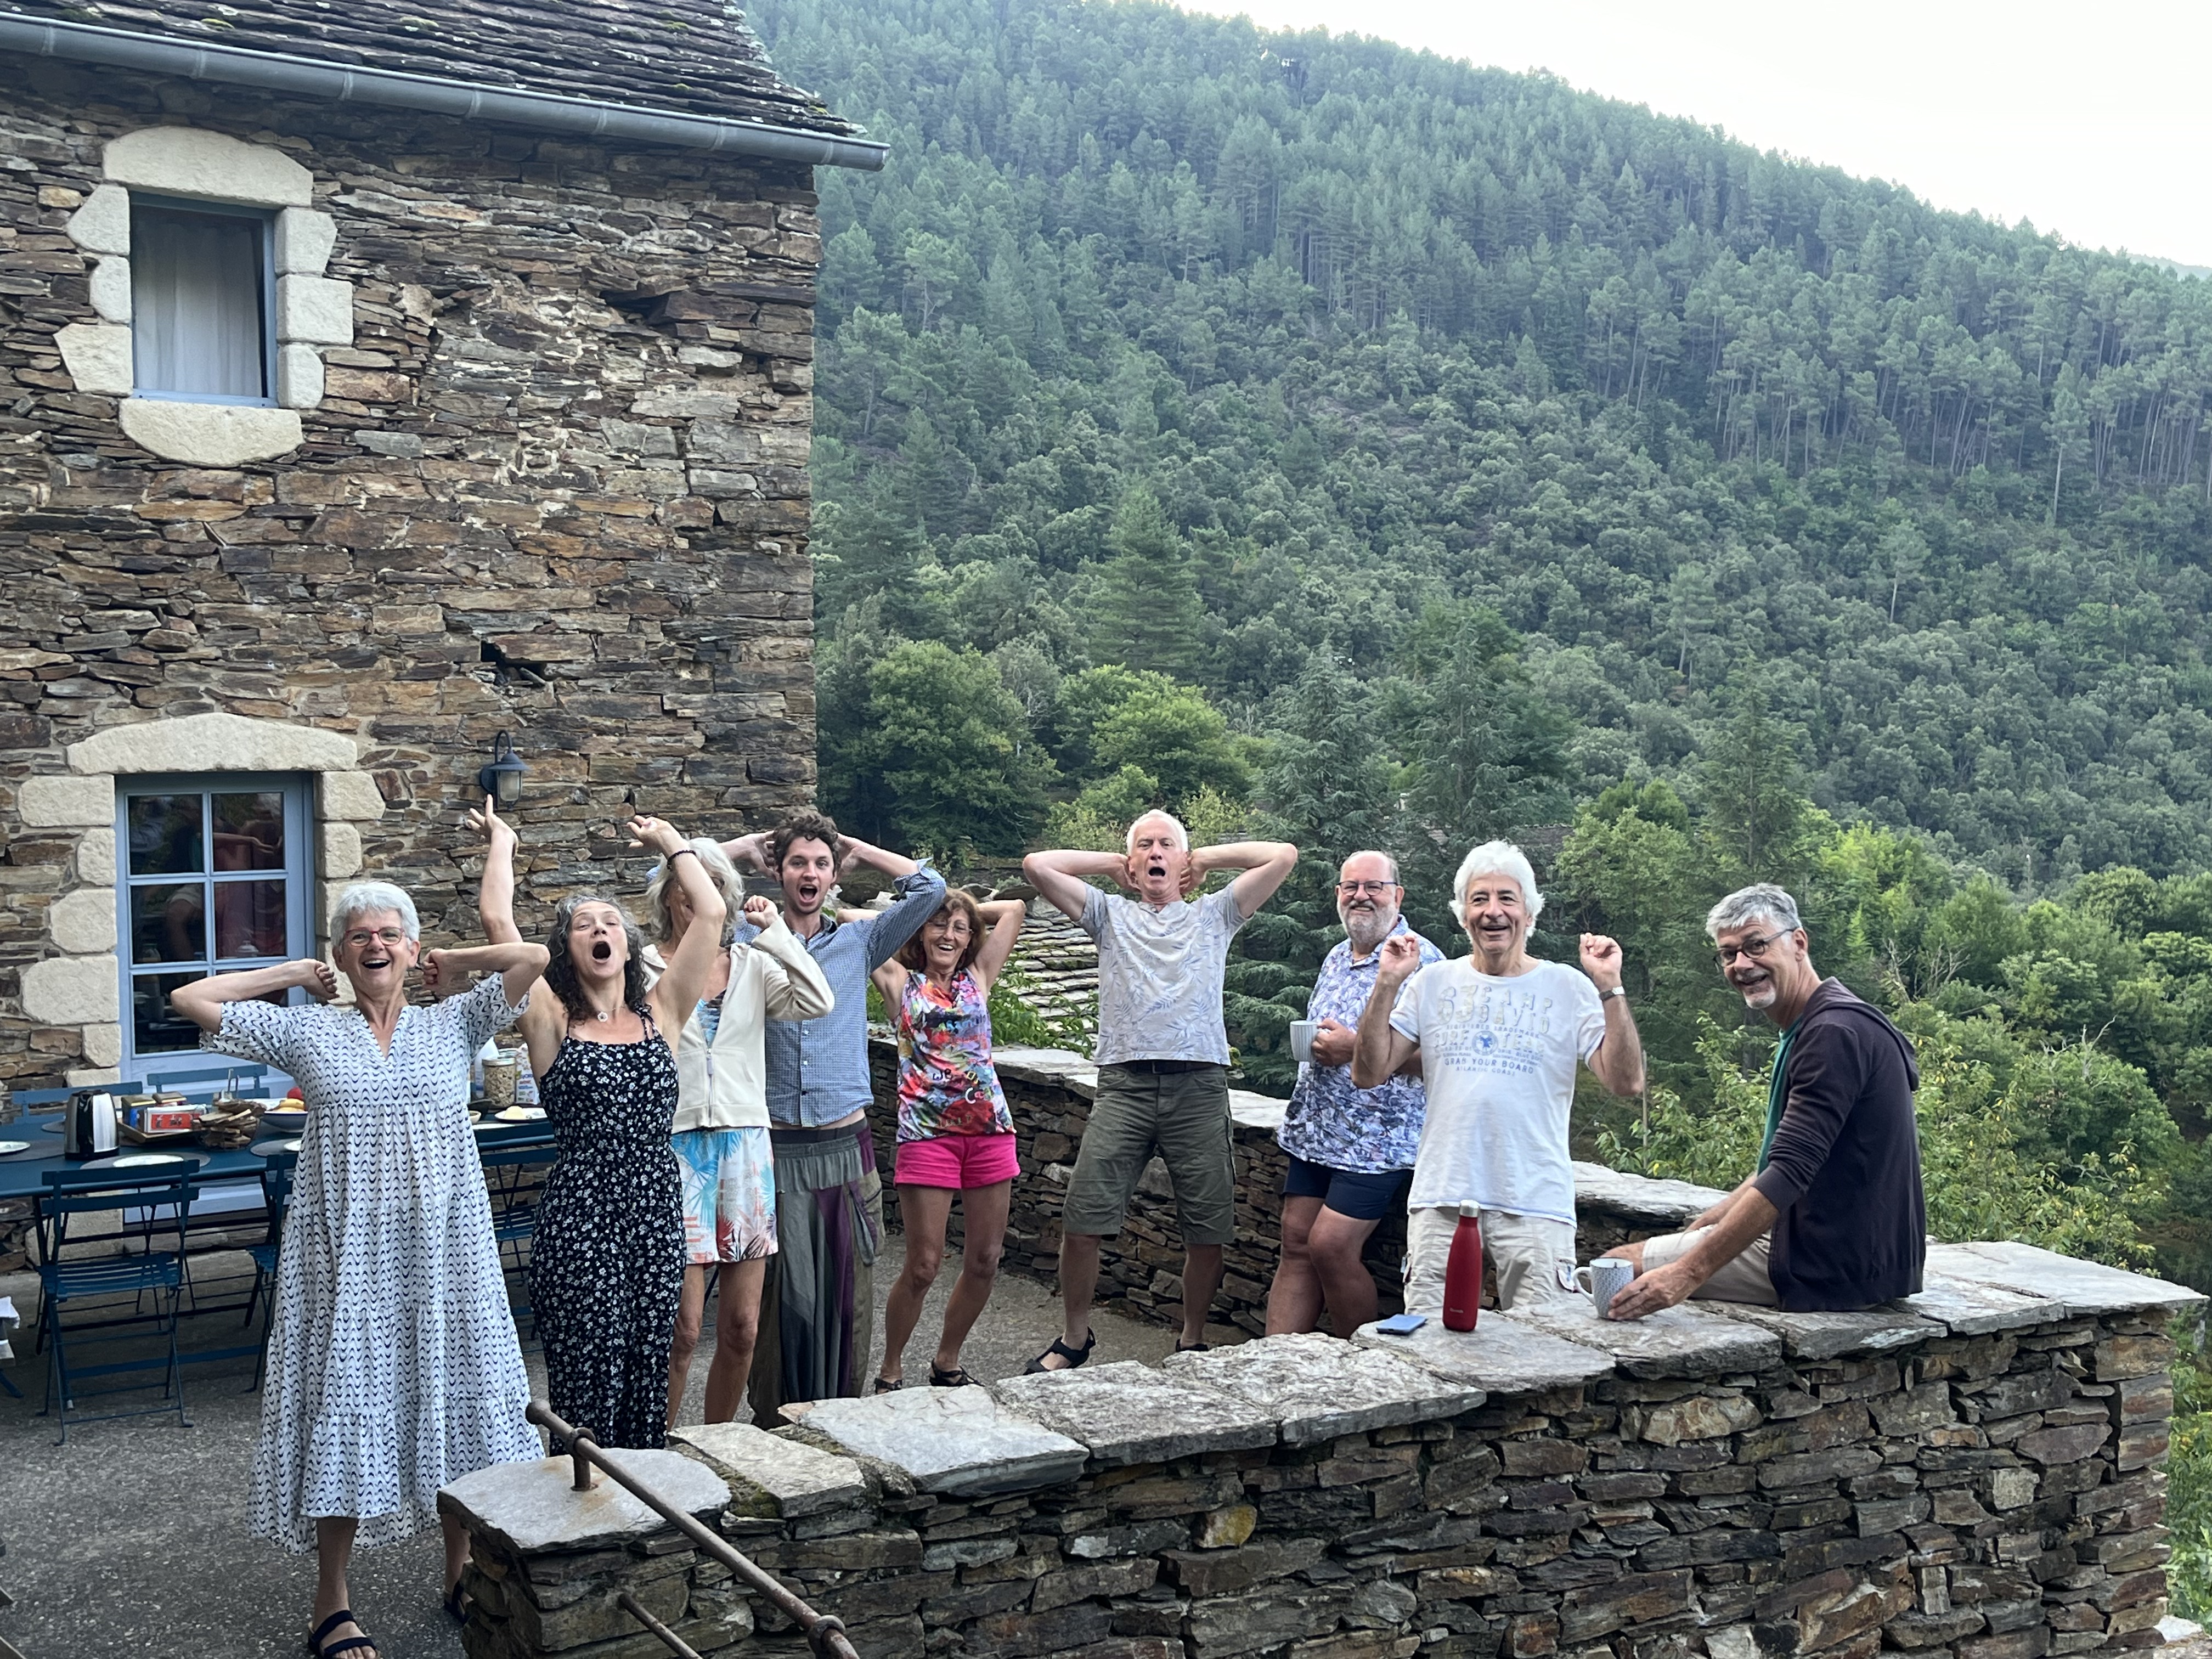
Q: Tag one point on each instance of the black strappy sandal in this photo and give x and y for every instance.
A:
(955, 1378)
(351, 1643)
(890, 1384)
(1073, 1357)
(1195, 1347)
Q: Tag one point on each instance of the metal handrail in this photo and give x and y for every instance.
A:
(824, 1632)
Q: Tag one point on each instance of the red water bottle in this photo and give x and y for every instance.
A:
(1463, 1271)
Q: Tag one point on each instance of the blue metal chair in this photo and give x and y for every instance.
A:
(276, 1194)
(152, 1206)
(203, 1084)
(514, 1174)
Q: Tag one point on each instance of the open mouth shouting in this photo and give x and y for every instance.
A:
(602, 950)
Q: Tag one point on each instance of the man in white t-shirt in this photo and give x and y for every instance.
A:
(1162, 1053)
(1499, 1034)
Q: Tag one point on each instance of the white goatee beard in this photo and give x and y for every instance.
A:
(1365, 932)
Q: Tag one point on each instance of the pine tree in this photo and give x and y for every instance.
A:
(1147, 613)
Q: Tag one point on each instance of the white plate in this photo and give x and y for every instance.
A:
(7, 1147)
(140, 1160)
(520, 1114)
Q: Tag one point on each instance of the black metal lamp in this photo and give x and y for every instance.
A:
(501, 779)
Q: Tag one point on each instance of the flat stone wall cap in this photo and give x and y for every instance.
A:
(1832, 1335)
(533, 1506)
(1320, 1388)
(1128, 1412)
(1597, 1186)
(1263, 1113)
(771, 1476)
(1970, 1309)
(2087, 1288)
(1680, 1341)
(1500, 1355)
(1052, 1067)
(951, 1440)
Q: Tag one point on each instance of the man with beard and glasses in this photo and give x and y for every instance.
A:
(1162, 1053)
(818, 1312)
(1351, 1150)
(1833, 1218)
(1498, 1035)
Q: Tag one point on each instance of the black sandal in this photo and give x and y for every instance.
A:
(351, 1643)
(1195, 1347)
(457, 1604)
(890, 1384)
(955, 1378)
(1073, 1357)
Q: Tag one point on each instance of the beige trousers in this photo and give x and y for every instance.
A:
(1533, 1258)
(1743, 1278)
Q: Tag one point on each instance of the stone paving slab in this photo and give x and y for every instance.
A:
(2088, 1289)
(1670, 1201)
(1832, 1335)
(771, 1477)
(1128, 1412)
(1319, 1387)
(1500, 1355)
(1971, 1310)
(535, 1506)
(1684, 1341)
(951, 1440)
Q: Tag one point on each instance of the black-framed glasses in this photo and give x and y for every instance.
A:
(1377, 888)
(1754, 948)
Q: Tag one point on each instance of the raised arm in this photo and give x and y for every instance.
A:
(201, 1001)
(918, 891)
(1266, 865)
(1380, 1049)
(1617, 1059)
(519, 964)
(749, 852)
(1059, 875)
(1005, 918)
(793, 987)
(692, 963)
(897, 866)
(495, 890)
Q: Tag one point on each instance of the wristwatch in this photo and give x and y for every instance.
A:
(1617, 991)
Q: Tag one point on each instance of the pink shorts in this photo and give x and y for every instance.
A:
(957, 1161)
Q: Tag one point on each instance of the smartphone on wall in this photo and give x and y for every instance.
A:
(1401, 1324)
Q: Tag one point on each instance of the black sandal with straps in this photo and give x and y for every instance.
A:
(957, 1377)
(1074, 1357)
(320, 1646)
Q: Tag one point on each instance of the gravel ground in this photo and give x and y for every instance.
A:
(132, 1538)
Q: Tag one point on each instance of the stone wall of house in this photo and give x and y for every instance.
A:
(554, 483)
(1973, 1475)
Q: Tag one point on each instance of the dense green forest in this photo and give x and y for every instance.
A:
(1307, 432)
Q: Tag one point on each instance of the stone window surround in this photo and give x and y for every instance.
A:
(312, 310)
(80, 987)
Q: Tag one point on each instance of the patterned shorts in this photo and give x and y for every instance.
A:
(729, 1195)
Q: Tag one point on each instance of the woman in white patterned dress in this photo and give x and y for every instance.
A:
(393, 1367)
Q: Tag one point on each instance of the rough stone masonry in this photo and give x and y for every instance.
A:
(1974, 1474)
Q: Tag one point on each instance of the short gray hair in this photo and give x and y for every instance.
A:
(719, 871)
(1183, 836)
(363, 898)
(1761, 900)
(1499, 858)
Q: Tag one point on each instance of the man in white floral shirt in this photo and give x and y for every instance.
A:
(1351, 1150)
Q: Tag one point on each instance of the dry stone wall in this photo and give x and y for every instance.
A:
(1973, 1475)
(557, 484)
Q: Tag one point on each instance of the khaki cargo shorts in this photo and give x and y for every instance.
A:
(1182, 1115)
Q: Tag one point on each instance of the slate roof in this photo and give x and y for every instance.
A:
(698, 57)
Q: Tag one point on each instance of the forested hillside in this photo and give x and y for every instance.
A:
(1380, 330)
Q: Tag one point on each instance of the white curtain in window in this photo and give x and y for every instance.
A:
(196, 303)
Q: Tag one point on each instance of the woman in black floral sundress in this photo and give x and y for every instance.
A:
(607, 1266)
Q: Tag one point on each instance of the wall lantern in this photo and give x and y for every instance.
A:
(501, 779)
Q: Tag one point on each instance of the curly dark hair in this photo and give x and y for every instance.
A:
(807, 826)
(560, 976)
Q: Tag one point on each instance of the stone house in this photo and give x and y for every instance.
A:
(383, 379)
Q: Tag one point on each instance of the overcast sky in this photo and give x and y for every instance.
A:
(2095, 124)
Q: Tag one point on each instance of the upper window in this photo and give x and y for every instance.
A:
(202, 316)
(214, 877)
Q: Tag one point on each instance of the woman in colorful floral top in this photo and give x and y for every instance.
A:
(955, 1132)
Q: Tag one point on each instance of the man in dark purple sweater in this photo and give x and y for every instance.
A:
(1833, 1217)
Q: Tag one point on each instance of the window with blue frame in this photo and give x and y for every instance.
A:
(214, 872)
(203, 302)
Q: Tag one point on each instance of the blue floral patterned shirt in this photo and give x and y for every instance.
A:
(1365, 1130)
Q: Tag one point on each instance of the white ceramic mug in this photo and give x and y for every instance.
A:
(1303, 1032)
(1605, 1278)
